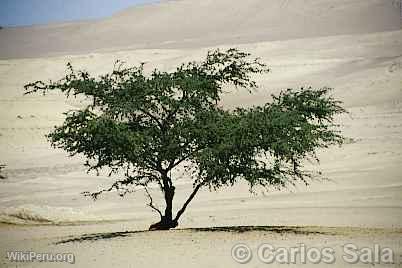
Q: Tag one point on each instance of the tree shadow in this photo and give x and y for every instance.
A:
(296, 230)
(98, 236)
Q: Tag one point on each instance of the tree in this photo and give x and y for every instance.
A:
(2, 166)
(149, 125)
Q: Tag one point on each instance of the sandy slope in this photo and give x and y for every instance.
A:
(353, 46)
(191, 248)
(194, 23)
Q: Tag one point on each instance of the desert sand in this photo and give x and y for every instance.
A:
(353, 46)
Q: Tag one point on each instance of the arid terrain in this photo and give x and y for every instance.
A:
(353, 46)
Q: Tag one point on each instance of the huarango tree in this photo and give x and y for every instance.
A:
(149, 125)
(2, 166)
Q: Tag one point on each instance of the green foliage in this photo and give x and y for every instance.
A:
(151, 124)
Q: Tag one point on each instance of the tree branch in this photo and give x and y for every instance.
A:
(190, 198)
(175, 163)
(152, 117)
(151, 203)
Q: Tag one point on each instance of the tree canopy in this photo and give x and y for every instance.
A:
(151, 124)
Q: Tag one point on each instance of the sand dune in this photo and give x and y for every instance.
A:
(354, 46)
(193, 23)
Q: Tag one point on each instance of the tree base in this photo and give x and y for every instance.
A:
(163, 225)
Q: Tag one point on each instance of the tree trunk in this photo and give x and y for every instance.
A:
(164, 224)
(166, 221)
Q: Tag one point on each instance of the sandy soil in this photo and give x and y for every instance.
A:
(354, 46)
